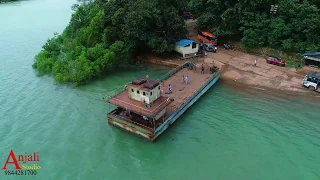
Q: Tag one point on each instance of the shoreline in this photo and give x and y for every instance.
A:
(269, 91)
(247, 79)
(237, 67)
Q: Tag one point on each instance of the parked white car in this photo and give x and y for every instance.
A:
(312, 81)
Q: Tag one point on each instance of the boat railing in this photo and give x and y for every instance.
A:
(115, 92)
(172, 72)
(138, 108)
(133, 122)
(130, 121)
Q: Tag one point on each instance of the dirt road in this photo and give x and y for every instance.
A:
(238, 67)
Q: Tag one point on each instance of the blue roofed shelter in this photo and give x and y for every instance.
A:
(312, 58)
(187, 47)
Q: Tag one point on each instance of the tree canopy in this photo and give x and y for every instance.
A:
(103, 34)
(295, 26)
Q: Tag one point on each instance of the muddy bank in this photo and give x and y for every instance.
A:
(237, 68)
(240, 68)
(311, 96)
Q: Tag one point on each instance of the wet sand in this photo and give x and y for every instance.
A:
(311, 96)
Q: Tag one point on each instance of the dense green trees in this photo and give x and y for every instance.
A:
(105, 33)
(80, 53)
(294, 27)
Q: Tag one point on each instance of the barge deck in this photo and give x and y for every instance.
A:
(175, 104)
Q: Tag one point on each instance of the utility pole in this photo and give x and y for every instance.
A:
(273, 10)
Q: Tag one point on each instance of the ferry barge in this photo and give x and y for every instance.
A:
(146, 108)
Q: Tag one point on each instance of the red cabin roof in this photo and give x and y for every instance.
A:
(122, 100)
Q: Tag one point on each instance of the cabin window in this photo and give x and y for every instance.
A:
(151, 93)
(159, 87)
(132, 90)
(187, 45)
(144, 93)
(194, 45)
(138, 92)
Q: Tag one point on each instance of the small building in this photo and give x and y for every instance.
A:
(312, 59)
(144, 90)
(187, 47)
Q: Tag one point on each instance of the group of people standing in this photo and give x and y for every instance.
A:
(210, 68)
(185, 79)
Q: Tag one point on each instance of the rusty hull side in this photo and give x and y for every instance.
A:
(135, 129)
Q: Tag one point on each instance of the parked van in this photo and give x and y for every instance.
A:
(312, 81)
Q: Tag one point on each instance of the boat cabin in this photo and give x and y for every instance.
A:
(140, 103)
(144, 90)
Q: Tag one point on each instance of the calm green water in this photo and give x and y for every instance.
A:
(226, 135)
